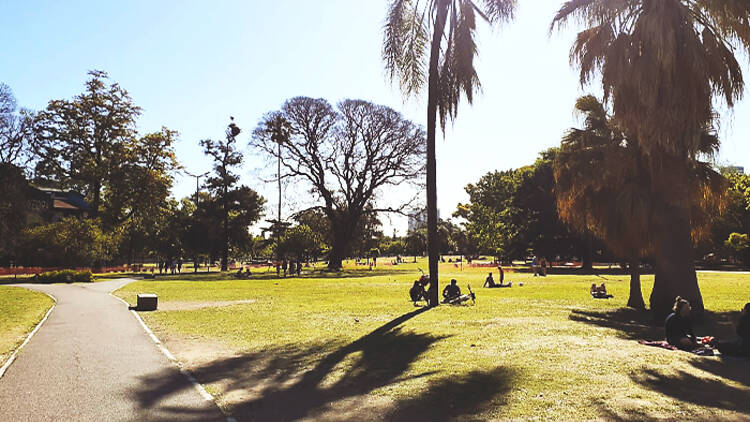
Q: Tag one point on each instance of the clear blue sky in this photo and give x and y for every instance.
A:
(192, 64)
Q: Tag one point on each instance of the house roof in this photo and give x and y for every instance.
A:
(58, 204)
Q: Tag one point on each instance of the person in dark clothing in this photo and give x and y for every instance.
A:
(489, 281)
(299, 268)
(417, 292)
(451, 291)
(740, 346)
(292, 270)
(679, 329)
(284, 266)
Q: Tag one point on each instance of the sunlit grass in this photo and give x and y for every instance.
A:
(545, 349)
(20, 311)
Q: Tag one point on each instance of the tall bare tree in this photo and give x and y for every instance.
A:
(15, 130)
(662, 64)
(440, 32)
(347, 155)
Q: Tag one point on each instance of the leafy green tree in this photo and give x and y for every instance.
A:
(301, 242)
(82, 141)
(70, 242)
(416, 243)
(450, 72)
(663, 65)
(736, 216)
(346, 155)
(514, 213)
(739, 243)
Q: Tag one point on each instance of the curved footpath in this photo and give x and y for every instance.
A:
(91, 360)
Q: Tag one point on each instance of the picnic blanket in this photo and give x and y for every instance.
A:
(700, 351)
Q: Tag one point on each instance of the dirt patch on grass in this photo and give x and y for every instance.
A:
(191, 306)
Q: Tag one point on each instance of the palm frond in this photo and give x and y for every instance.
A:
(404, 46)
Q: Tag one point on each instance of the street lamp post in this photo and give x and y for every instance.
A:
(197, 191)
(197, 183)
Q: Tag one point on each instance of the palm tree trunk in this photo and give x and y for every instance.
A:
(635, 300)
(673, 246)
(432, 99)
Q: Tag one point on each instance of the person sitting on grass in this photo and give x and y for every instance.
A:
(740, 346)
(239, 273)
(678, 328)
(489, 282)
(451, 292)
(600, 292)
(417, 292)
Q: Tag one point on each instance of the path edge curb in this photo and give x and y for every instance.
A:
(197, 385)
(13, 355)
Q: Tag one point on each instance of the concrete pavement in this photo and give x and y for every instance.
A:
(92, 361)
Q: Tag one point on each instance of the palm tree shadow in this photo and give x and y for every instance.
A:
(292, 382)
(629, 323)
(690, 388)
(633, 324)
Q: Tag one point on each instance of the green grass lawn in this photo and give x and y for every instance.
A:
(353, 347)
(20, 311)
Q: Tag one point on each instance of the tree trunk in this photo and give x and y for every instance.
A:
(673, 246)
(588, 252)
(225, 247)
(432, 98)
(674, 269)
(342, 234)
(635, 300)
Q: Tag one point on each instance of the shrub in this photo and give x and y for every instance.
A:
(64, 276)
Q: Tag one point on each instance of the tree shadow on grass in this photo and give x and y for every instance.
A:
(634, 324)
(690, 388)
(294, 382)
(630, 323)
(736, 369)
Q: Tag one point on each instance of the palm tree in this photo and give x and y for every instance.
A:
(602, 188)
(604, 185)
(450, 72)
(662, 63)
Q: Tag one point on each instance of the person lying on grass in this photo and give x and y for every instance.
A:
(489, 282)
(740, 346)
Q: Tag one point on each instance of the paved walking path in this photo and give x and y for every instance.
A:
(92, 361)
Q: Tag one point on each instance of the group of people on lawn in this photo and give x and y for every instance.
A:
(451, 292)
(678, 327)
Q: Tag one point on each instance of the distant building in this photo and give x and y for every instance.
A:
(418, 219)
(735, 169)
(47, 205)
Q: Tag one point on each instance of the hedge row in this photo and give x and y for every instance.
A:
(63, 276)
